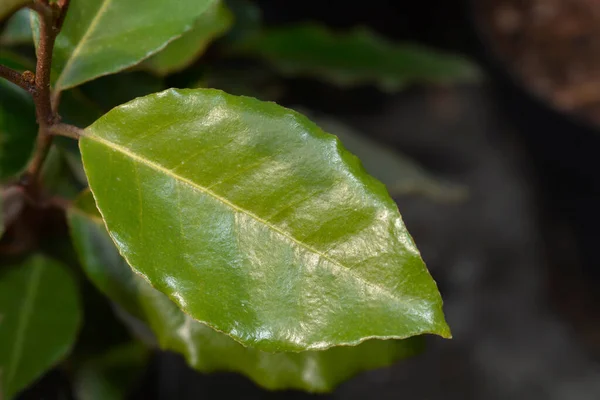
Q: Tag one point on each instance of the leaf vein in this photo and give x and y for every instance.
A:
(380, 289)
(85, 38)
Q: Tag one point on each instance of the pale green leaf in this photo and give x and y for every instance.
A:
(39, 319)
(205, 349)
(180, 53)
(356, 57)
(9, 6)
(101, 37)
(401, 175)
(256, 222)
(17, 29)
(112, 375)
(18, 128)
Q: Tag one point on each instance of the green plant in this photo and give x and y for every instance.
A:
(231, 230)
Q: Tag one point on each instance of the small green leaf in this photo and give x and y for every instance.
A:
(39, 319)
(400, 174)
(18, 128)
(354, 58)
(102, 37)
(18, 29)
(180, 53)
(205, 349)
(256, 222)
(111, 375)
(9, 6)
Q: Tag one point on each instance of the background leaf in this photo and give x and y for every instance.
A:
(103, 37)
(356, 57)
(125, 86)
(112, 375)
(181, 52)
(39, 319)
(400, 174)
(18, 29)
(205, 349)
(256, 222)
(59, 176)
(18, 128)
(248, 20)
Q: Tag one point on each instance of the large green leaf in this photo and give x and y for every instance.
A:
(356, 57)
(256, 222)
(18, 128)
(101, 37)
(180, 53)
(401, 175)
(9, 6)
(39, 320)
(205, 349)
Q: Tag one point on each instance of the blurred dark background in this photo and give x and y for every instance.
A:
(516, 262)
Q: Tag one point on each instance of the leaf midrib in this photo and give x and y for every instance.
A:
(75, 54)
(23, 322)
(160, 168)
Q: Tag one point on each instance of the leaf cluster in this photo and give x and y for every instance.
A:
(231, 230)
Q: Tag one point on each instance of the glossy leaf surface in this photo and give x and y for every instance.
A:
(205, 349)
(18, 128)
(256, 222)
(39, 319)
(180, 53)
(356, 57)
(401, 174)
(101, 37)
(9, 6)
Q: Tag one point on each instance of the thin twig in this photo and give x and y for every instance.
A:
(50, 18)
(24, 80)
(48, 34)
(66, 130)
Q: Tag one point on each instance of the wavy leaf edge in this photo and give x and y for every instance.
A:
(445, 332)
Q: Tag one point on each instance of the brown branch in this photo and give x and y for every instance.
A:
(66, 130)
(51, 17)
(24, 80)
(48, 33)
